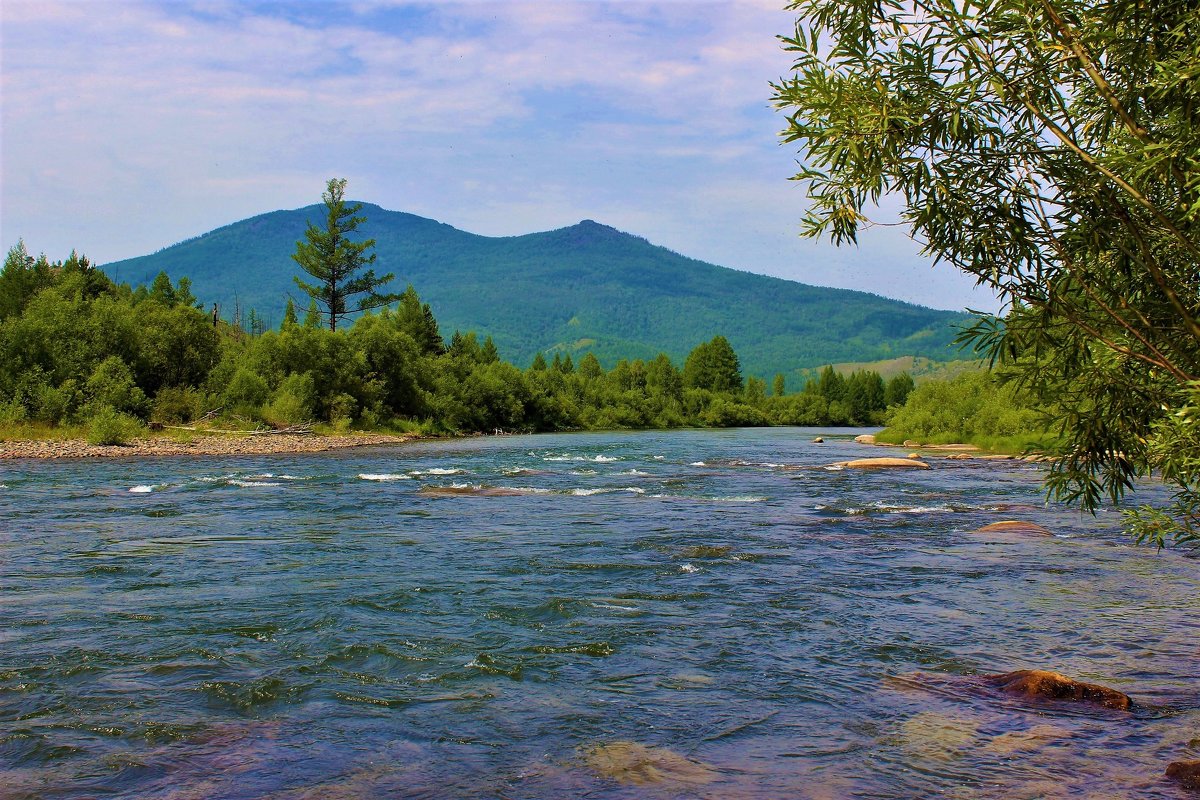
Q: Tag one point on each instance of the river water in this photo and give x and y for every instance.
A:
(515, 616)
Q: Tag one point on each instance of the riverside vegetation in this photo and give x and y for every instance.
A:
(974, 408)
(83, 355)
(584, 288)
(1048, 148)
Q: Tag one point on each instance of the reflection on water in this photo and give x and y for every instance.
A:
(697, 613)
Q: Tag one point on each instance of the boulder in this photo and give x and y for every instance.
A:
(818, 440)
(883, 463)
(910, 443)
(637, 764)
(1014, 526)
(1185, 773)
(866, 438)
(1037, 683)
(914, 455)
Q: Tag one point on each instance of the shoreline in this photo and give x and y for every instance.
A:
(211, 445)
(956, 451)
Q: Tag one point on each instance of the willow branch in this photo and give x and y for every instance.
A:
(1093, 72)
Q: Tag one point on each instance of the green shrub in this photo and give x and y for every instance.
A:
(176, 404)
(54, 404)
(109, 426)
(725, 414)
(294, 401)
(111, 384)
(246, 392)
(12, 412)
(972, 407)
(342, 409)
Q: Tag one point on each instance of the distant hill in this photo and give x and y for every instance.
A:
(588, 287)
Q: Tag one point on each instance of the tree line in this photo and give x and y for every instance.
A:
(78, 348)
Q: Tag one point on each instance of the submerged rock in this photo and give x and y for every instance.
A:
(883, 463)
(637, 764)
(472, 491)
(1047, 685)
(1014, 526)
(1185, 773)
(1032, 739)
(706, 551)
(932, 734)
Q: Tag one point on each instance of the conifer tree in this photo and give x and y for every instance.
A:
(337, 263)
(289, 316)
(184, 296)
(488, 352)
(162, 291)
(714, 366)
(312, 317)
(417, 320)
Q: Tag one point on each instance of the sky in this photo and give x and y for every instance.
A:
(128, 126)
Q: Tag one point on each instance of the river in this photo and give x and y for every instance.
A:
(513, 616)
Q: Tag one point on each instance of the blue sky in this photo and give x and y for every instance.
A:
(128, 126)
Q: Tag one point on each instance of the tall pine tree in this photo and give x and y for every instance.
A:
(337, 263)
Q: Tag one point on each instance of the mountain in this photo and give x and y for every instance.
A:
(587, 287)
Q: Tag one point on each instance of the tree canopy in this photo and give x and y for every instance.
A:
(1050, 148)
(336, 261)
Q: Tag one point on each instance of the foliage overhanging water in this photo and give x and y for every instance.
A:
(363, 624)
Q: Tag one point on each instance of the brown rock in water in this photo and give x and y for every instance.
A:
(1014, 526)
(637, 764)
(882, 463)
(818, 440)
(914, 455)
(471, 491)
(1055, 686)
(1185, 773)
(866, 438)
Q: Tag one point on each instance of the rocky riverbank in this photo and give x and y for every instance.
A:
(199, 445)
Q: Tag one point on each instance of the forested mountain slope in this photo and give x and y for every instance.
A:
(588, 287)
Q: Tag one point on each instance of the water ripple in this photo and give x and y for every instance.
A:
(475, 617)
